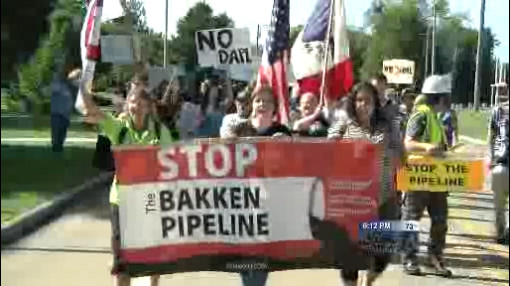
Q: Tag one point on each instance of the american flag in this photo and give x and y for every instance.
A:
(273, 68)
(89, 43)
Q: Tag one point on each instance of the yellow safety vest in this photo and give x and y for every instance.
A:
(434, 131)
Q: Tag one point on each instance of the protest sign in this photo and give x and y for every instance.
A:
(202, 206)
(117, 49)
(159, 74)
(441, 175)
(223, 47)
(399, 71)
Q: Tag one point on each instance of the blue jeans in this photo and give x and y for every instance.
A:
(59, 125)
(254, 278)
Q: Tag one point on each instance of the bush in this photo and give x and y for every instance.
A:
(36, 75)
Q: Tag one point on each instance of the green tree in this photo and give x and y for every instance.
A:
(294, 32)
(23, 26)
(358, 44)
(396, 33)
(53, 52)
(198, 17)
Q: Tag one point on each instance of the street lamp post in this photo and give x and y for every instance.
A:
(479, 57)
(165, 51)
(433, 59)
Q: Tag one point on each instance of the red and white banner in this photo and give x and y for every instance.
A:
(278, 201)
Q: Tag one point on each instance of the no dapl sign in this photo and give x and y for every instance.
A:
(222, 47)
(399, 71)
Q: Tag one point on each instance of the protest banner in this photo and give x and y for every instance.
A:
(399, 71)
(423, 173)
(204, 206)
(223, 47)
(117, 49)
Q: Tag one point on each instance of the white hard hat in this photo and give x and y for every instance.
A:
(437, 84)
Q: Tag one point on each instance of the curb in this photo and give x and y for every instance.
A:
(472, 140)
(34, 218)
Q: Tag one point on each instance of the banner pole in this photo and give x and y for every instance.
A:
(326, 53)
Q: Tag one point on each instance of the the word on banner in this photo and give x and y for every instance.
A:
(399, 71)
(441, 175)
(205, 206)
(222, 47)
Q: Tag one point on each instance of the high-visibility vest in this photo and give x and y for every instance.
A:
(434, 131)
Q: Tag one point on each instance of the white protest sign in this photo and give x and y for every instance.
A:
(117, 49)
(223, 47)
(399, 71)
(159, 74)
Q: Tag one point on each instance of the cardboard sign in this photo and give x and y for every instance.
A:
(437, 175)
(159, 74)
(201, 206)
(399, 71)
(221, 47)
(117, 49)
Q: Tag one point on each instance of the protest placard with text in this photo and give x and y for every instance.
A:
(202, 206)
(223, 47)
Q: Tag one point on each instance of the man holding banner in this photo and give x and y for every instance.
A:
(425, 133)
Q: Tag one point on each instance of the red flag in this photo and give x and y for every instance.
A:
(308, 51)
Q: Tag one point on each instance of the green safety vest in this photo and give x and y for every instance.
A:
(434, 131)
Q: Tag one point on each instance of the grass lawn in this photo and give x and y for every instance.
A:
(473, 124)
(25, 126)
(32, 173)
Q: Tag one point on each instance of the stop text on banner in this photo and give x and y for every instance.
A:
(441, 175)
(221, 200)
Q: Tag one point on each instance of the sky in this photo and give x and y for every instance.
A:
(250, 13)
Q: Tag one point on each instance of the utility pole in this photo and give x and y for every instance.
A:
(427, 36)
(165, 51)
(434, 39)
(479, 57)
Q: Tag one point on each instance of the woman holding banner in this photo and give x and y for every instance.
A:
(260, 124)
(261, 121)
(139, 126)
(366, 120)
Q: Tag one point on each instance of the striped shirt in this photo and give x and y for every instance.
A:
(499, 132)
(384, 133)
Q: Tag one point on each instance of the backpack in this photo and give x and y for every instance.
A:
(103, 156)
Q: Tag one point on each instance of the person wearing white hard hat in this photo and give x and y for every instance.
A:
(425, 133)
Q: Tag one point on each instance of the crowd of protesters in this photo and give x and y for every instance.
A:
(412, 122)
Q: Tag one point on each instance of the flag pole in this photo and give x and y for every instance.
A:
(326, 53)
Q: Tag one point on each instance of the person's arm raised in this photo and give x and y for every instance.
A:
(92, 112)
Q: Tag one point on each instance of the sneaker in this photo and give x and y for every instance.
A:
(437, 263)
(411, 267)
(504, 239)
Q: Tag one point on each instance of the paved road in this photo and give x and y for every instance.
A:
(74, 250)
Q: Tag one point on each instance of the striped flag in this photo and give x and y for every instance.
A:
(308, 51)
(89, 43)
(273, 67)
